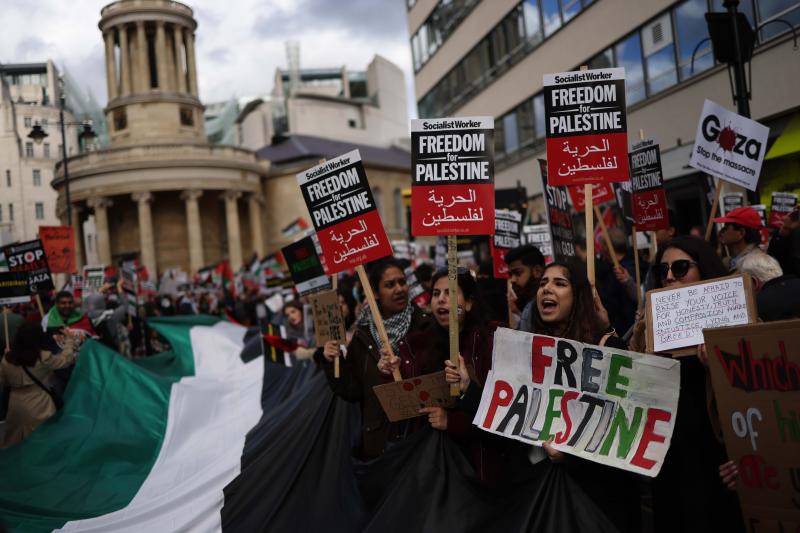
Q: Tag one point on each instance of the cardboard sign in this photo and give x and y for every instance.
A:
(609, 406)
(14, 288)
(343, 211)
(30, 257)
(783, 203)
(648, 198)
(416, 292)
(539, 236)
(452, 191)
(130, 285)
(305, 267)
(328, 321)
(586, 126)
(729, 146)
(623, 193)
(559, 218)
(677, 317)
(755, 372)
(506, 236)
(731, 201)
(402, 400)
(93, 277)
(59, 245)
(601, 193)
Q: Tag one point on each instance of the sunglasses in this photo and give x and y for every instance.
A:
(679, 268)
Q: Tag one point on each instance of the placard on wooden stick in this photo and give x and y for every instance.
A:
(403, 399)
(328, 321)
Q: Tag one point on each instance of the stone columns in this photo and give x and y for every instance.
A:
(232, 224)
(100, 205)
(195, 229)
(190, 62)
(111, 70)
(142, 59)
(180, 74)
(254, 204)
(125, 61)
(146, 241)
(171, 67)
(161, 57)
(77, 229)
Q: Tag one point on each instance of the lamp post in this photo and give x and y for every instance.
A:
(38, 135)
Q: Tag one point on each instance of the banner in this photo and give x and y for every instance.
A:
(29, 257)
(559, 218)
(59, 246)
(14, 288)
(539, 236)
(609, 406)
(343, 211)
(94, 275)
(755, 372)
(305, 267)
(452, 191)
(676, 317)
(601, 193)
(506, 236)
(586, 126)
(729, 146)
(648, 198)
(783, 203)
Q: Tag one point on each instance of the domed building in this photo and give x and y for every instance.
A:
(160, 191)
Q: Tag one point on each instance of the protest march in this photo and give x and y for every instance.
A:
(592, 369)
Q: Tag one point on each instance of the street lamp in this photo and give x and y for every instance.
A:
(37, 134)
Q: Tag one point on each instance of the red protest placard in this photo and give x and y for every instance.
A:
(343, 211)
(783, 203)
(586, 127)
(648, 198)
(59, 246)
(452, 191)
(601, 193)
(506, 236)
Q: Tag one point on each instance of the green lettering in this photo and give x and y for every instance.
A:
(551, 413)
(627, 432)
(615, 378)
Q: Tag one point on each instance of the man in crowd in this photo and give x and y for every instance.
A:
(617, 285)
(525, 267)
(785, 244)
(65, 314)
(777, 295)
(741, 234)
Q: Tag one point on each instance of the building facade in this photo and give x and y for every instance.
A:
(486, 57)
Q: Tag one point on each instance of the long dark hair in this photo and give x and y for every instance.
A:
(27, 345)
(582, 324)
(708, 262)
(350, 301)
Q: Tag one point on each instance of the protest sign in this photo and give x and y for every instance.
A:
(729, 146)
(601, 193)
(539, 236)
(586, 126)
(343, 212)
(761, 209)
(783, 203)
(609, 406)
(676, 317)
(401, 250)
(59, 246)
(130, 285)
(305, 267)
(755, 372)
(506, 236)
(328, 321)
(452, 191)
(93, 276)
(559, 218)
(648, 198)
(416, 292)
(623, 193)
(440, 253)
(14, 288)
(403, 399)
(29, 257)
(731, 201)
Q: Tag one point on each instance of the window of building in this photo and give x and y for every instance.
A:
(28, 122)
(514, 26)
(690, 30)
(788, 10)
(570, 8)
(39, 206)
(533, 20)
(120, 120)
(47, 149)
(525, 123)
(399, 209)
(8, 178)
(187, 116)
(629, 56)
(45, 123)
(476, 64)
(499, 137)
(659, 53)
(37, 177)
(11, 212)
(604, 59)
(28, 149)
(352, 123)
(510, 132)
(538, 116)
(551, 13)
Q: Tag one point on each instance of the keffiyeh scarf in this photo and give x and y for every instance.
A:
(396, 326)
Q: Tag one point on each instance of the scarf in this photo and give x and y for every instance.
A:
(396, 326)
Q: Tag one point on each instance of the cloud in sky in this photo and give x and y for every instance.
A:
(239, 42)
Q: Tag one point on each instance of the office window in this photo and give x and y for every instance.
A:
(499, 138)
(28, 122)
(28, 149)
(477, 62)
(45, 123)
(499, 45)
(745, 6)
(629, 56)
(538, 116)
(525, 123)
(690, 29)
(8, 178)
(570, 8)
(39, 211)
(551, 13)
(510, 132)
(533, 20)
(659, 54)
(514, 25)
(604, 59)
(772, 9)
(37, 177)
(47, 149)
(11, 212)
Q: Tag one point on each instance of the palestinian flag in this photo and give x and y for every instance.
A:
(296, 226)
(76, 321)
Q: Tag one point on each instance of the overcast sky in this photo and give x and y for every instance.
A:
(239, 42)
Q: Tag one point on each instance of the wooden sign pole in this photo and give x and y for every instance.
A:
(5, 327)
(606, 236)
(714, 207)
(452, 295)
(335, 286)
(39, 304)
(376, 315)
(636, 251)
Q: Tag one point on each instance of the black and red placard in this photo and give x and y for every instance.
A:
(30, 257)
(452, 190)
(343, 212)
(601, 193)
(648, 198)
(305, 266)
(586, 127)
(558, 217)
(507, 229)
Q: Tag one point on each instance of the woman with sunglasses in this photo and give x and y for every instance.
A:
(693, 491)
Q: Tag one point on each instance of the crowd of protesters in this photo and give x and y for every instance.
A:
(694, 488)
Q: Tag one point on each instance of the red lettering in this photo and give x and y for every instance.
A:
(562, 436)
(649, 435)
(756, 473)
(541, 361)
(500, 387)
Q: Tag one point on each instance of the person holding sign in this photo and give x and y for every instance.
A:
(689, 493)
(364, 365)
